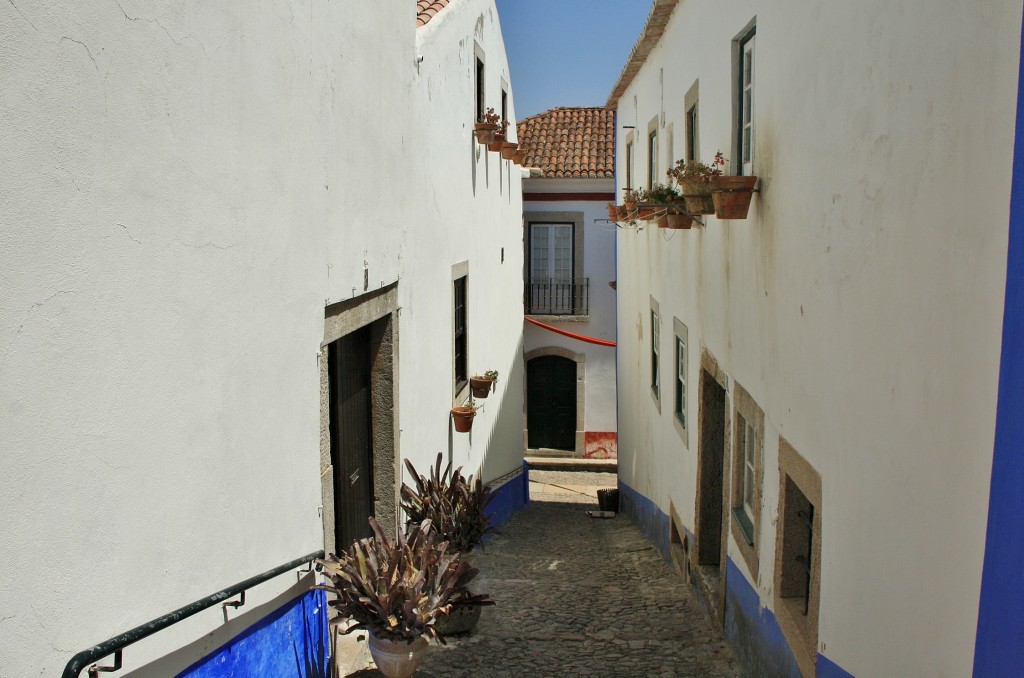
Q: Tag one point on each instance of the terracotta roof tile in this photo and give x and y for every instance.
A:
(570, 142)
(428, 9)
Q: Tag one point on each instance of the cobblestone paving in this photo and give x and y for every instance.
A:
(578, 596)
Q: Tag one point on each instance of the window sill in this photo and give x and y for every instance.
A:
(745, 524)
(559, 318)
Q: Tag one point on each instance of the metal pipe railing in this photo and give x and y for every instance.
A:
(115, 645)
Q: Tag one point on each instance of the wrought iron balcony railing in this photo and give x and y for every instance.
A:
(557, 297)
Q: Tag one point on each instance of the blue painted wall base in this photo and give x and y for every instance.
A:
(651, 520)
(999, 645)
(291, 641)
(509, 498)
(752, 631)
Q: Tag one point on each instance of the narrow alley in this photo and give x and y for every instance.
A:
(579, 596)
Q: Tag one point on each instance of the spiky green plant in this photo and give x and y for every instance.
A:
(397, 589)
(455, 505)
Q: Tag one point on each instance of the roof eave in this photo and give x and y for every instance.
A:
(661, 11)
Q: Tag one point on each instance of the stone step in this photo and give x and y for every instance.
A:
(572, 464)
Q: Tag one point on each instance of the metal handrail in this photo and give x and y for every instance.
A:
(117, 643)
(551, 296)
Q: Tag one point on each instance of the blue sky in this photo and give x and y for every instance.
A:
(567, 52)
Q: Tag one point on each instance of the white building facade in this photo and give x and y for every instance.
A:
(219, 228)
(807, 397)
(569, 276)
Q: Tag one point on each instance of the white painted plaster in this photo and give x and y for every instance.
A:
(599, 267)
(860, 303)
(186, 187)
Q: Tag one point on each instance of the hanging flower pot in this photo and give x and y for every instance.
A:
(678, 221)
(497, 142)
(647, 211)
(482, 385)
(520, 157)
(731, 196)
(630, 201)
(613, 211)
(697, 194)
(621, 213)
(463, 418)
(508, 150)
(485, 132)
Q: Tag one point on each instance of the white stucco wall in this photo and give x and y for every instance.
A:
(860, 304)
(470, 210)
(599, 267)
(186, 188)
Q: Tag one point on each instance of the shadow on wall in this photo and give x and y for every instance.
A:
(285, 636)
(503, 454)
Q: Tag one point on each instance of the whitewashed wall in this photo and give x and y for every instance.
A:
(469, 209)
(599, 267)
(860, 304)
(185, 188)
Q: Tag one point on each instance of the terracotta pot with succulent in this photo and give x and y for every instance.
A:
(486, 128)
(456, 507)
(463, 415)
(498, 140)
(694, 179)
(481, 386)
(397, 590)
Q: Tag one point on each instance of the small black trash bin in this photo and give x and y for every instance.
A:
(608, 500)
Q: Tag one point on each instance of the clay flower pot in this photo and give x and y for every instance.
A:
(677, 221)
(396, 658)
(621, 213)
(731, 196)
(497, 142)
(485, 132)
(520, 157)
(647, 211)
(508, 150)
(462, 417)
(481, 386)
(613, 211)
(697, 194)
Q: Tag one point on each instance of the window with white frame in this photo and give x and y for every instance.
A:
(747, 474)
(745, 94)
(551, 268)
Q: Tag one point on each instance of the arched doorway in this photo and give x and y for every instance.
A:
(551, 402)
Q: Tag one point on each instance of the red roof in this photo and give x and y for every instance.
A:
(427, 9)
(570, 142)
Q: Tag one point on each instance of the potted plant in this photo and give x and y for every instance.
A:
(498, 140)
(629, 200)
(463, 416)
(669, 207)
(520, 156)
(731, 194)
(646, 210)
(481, 386)
(486, 128)
(456, 507)
(396, 590)
(694, 179)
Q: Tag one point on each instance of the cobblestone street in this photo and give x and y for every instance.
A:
(578, 596)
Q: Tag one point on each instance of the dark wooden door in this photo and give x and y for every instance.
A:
(551, 403)
(351, 436)
(711, 471)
